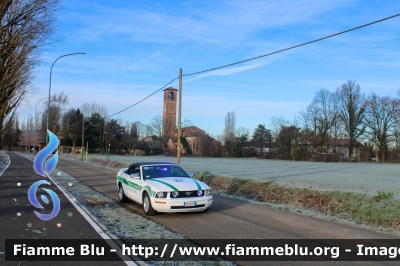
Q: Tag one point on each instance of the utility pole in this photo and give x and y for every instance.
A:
(178, 148)
(83, 133)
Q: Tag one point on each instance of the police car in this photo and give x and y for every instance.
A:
(163, 187)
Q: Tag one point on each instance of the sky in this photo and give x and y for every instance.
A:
(134, 48)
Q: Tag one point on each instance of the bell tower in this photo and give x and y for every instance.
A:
(169, 112)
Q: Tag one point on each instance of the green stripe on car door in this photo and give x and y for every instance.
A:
(130, 183)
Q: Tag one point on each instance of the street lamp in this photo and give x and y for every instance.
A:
(105, 143)
(34, 132)
(48, 107)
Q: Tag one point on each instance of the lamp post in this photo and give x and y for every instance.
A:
(105, 143)
(48, 107)
(34, 132)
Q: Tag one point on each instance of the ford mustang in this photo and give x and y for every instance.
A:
(163, 187)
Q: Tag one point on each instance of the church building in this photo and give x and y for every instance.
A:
(200, 143)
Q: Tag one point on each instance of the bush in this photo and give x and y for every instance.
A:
(379, 210)
(205, 177)
(382, 195)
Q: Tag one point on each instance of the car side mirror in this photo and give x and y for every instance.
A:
(190, 174)
(135, 175)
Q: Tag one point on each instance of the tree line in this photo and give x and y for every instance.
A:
(368, 126)
(365, 125)
(91, 122)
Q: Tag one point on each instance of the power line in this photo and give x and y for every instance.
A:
(143, 98)
(296, 46)
(257, 57)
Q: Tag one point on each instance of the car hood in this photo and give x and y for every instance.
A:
(176, 184)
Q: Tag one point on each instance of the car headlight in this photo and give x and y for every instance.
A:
(208, 192)
(161, 195)
(200, 193)
(174, 194)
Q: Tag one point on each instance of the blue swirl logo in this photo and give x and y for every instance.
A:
(43, 154)
(39, 165)
(32, 198)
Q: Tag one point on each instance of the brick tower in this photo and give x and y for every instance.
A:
(169, 112)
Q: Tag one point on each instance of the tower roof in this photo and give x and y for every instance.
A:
(170, 89)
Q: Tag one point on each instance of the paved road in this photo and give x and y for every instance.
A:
(227, 218)
(14, 199)
(361, 177)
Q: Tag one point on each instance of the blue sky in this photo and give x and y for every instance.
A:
(136, 47)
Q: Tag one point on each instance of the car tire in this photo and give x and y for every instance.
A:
(206, 210)
(147, 208)
(121, 194)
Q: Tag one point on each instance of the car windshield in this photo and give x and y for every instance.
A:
(157, 171)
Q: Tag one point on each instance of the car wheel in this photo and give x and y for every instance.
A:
(121, 194)
(147, 208)
(206, 210)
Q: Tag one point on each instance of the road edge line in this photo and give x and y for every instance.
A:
(9, 162)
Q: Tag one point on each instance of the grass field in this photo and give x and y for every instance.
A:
(366, 178)
(377, 208)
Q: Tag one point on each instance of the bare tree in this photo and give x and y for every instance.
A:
(149, 130)
(306, 135)
(277, 124)
(242, 131)
(352, 109)
(88, 109)
(11, 134)
(229, 133)
(157, 126)
(323, 112)
(133, 131)
(58, 103)
(380, 120)
(26, 27)
(141, 129)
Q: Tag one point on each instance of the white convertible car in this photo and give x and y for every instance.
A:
(163, 187)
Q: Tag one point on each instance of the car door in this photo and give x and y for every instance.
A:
(125, 183)
(134, 183)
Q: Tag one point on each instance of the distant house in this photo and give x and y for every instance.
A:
(199, 141)
(336, 147)
(153, 146)
(264, 150)
(29, 140)
(339, 147)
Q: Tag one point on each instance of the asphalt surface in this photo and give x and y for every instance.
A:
(14, 199)
(230, 218)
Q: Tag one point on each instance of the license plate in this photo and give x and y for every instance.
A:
(189, 204)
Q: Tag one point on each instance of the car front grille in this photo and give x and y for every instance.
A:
(188, 194)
